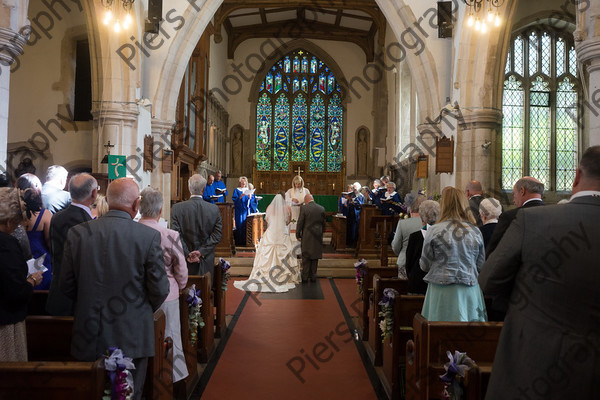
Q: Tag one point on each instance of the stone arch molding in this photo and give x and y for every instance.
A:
(172, 68)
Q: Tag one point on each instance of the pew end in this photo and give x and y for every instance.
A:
(52, 380)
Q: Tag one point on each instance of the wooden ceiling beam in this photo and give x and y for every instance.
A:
(303, 29)
(263, 15)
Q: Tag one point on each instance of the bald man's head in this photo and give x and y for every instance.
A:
(123, 194)
(473, 188)
(308, 198)
(83, 188)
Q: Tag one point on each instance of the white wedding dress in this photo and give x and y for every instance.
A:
(276, 268)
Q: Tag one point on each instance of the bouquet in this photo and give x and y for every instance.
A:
(226, 275)
(117, 367)
(196, 321)
(455, 374)
(387, 313)
(360, 267)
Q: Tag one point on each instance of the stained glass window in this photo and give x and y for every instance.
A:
(539, 129)
(299, 115)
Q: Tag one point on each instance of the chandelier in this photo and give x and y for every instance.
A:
(117, 13)
(482, 14)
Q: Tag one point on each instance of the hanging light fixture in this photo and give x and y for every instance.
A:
(117, 13)
(483, 14)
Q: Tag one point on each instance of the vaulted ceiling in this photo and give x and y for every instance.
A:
(356, 21)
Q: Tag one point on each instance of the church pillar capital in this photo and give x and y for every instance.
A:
(163, 128)
(12, 44)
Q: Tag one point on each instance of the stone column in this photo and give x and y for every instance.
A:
(161, 132)
(478, 149)
(119, 126)
(11, 47)
(588, 53)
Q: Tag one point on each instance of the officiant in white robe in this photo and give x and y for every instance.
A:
(295, 198)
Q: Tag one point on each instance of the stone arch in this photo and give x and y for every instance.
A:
(164, 96)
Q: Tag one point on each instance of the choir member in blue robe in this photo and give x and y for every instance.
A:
(343, 202)
(241, 202)
(374, 196)
(355, 204)
(219, 184)
(209, 191)
(391, 203)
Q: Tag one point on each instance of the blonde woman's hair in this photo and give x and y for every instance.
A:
(454, 206)
(243, 178)
(298, 178)
(12, 207)
(101, 205)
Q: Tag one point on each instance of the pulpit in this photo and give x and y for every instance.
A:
(383, 226)
(226, 247)
(254, 229)
(366, 239)
(340, 228)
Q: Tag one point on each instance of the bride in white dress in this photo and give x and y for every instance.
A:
(276, 267)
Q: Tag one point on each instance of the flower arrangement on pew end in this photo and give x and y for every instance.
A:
(226, 275)
(120, 381)
(195, 303)
(387, 313)
(455, 376)
(361, 271)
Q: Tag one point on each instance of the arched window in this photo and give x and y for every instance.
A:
(299, 115)
(539, 103)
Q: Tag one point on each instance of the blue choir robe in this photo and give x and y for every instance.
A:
(393, 207)
(209, 191)
(241, 207)
(220, 185)
(354, 207)
(253, 205)
(376, 196)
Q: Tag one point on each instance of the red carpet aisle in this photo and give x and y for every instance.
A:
(286, 346)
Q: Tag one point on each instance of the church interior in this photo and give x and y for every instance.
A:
(429, 94)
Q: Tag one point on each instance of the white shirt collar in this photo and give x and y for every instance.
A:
(388, 194)
(585, 193)
(534, 199)
(83, 207)
(491, 221)
(195, 195)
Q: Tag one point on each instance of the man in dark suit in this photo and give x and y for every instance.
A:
(474, 193)
(549, 346)
(114, 269)
(84, 190)
(54, 197)
(527, 192)
(200, 226)
(309, 230)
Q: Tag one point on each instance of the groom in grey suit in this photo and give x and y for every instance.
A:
(549, 347)
(113, 268)
(200, 226)
(309, 230)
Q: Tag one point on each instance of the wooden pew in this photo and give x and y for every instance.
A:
(185, 387)
(374, 339)
(37, 303)
(206, 335)
(49, 340)
(52, 380)
(372, 269)
(220, 302)
(393, 348)
(159, 376)
(426, 354)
